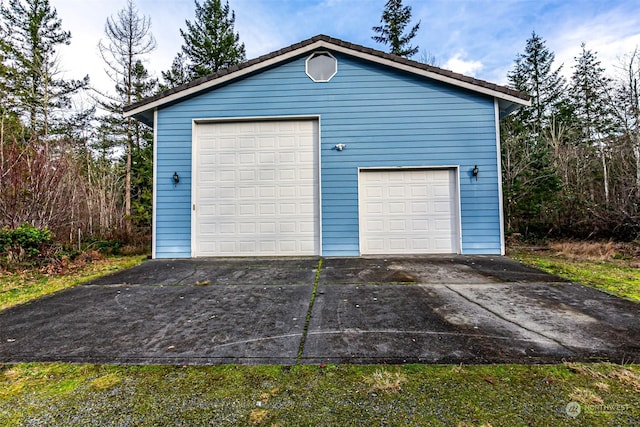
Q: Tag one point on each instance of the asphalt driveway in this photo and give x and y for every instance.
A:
(435, 309)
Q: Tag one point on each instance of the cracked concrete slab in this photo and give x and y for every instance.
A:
(217, 271)
(426, 269)
(417, 324)
(434, 309)
(249, 324)
(592, 325)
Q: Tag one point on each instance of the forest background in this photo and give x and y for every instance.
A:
(81, 177)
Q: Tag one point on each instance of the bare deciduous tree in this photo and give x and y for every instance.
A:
(128, 39)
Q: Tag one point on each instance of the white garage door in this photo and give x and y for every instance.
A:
(408, 211)
(256, 189)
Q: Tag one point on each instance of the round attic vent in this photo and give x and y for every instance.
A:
(321, 66)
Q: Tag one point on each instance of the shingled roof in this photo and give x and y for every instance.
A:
(143, 110)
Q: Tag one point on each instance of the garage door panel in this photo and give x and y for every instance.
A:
(267, 246)
(441, 191)
(267, 174)
(223, 210)
(267, 143)
(396, 191)
(247, 193)
(423, 222)
(268, 158)
(284, 158)
(287, 174)
(256, 189)
(286, 227)
(247, 175)
(420, 245)
(374, 191)
(398, 226)
(420, 207)
(442, 207)
(305, 175)
(287, 143)
(248, 143)
(247, 228)
(397, 208)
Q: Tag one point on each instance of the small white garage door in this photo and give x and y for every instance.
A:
(408, 211)
(256, 189)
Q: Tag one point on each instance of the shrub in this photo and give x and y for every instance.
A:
(106, 246)
(24, 243)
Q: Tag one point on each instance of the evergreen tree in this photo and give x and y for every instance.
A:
(529, 139)
(30, 34)
(395, 19)
(627, 109)
(210, 43)
(177, 75)
(142, 156)
(534, 75)
(589, 91)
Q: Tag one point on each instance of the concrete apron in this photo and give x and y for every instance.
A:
(450, 309)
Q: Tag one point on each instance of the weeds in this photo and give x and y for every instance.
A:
(585, 396)
(611, 267)
(25, 285)
(596, 251)
(386, 382)
(350, 395)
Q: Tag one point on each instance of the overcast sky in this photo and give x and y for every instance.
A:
(479, 38)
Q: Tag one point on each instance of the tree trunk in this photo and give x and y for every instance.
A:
(605, 173)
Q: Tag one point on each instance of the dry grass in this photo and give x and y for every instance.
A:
(458, 369)
(595, 251)
(586, 370)
(472, 425)
(586, 396)
(602, 386)
(609, 266)
(105, 382)
(620, 374)
(23, 286)
(257, 416)
(55, 394)
(386, 382)
(626, 377)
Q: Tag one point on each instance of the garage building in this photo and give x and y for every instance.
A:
(327, 148)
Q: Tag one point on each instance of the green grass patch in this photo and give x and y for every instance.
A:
(22, 287)
(615, 277)
(345, 395)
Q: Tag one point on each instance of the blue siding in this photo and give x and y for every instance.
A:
(386, 117)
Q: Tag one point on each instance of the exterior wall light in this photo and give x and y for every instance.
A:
(340, 147)
(176, 179)
(475, 171)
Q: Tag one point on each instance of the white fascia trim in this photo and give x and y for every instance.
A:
(321, 44)
(319, 148)
(394, 168)
(205, 120)
(359, 193)
(499, 168)
(224, 79)
(194, 187)
(459, 208)
(154, 181)
(429, 74)
(194, 152)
